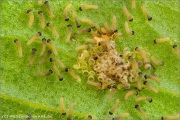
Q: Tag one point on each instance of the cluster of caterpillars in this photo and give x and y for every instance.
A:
(48, 50)
(108, 68)
(105, 66)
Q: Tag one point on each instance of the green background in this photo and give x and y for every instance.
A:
(24, 92)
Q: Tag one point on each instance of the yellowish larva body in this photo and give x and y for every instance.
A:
(78, 25)
(157, 62)
(56, 70)
(52, 47)
(83, 30)
(127, 29)
(43, 49)
(62, 105)
(172, 117)
(127, 13)
(112, 91)
(41, 18)
(114, 107)
(76, 77)
(146, 13)
(69, 33)
(49, 9)
(138, 108)
(152, 77)
(150, 87)
(44, 74)
(32, 56)
(87, 7)
(119, 117)
(19, 46)
(82, 47)
(66, 9)
(108, 29)
(103, 30)
(161, 40)
(88, 21)
(61, 64)
(45, 58)
(95, 84)
(142, 53)
(33, 38)
(139, 99)
(93, 41)
(31, 17)
(53, 30)
(139, 81)
(130, 93)
(71, 111)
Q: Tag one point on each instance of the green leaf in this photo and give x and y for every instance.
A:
(24, 92)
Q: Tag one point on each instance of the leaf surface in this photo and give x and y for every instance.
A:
(24, 92)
